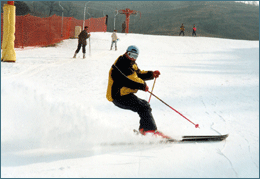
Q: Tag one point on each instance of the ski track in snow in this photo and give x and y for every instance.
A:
(222, 154)
(56, 121)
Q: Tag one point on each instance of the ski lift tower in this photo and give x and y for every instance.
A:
(127, 13)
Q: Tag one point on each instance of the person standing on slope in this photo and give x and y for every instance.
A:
(123, 27)
(114, 40)
(125, 79)
(194, 30)
(83, 36)
(182, 29)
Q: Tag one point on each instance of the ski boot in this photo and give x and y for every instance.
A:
(154, 133)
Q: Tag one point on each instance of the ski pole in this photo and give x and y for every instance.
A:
(196, 125)
(152, 91)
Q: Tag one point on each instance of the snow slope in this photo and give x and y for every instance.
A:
(56, 121)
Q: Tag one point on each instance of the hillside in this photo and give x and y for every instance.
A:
(212, 19)
(223, 19)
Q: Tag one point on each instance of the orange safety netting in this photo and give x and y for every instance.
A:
(37, 31)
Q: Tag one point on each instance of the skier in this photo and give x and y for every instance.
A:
(125, 79)
(123, 27)
(83, 36)
(114, 40)
(106, 22)
(194, 30)
(182, 29)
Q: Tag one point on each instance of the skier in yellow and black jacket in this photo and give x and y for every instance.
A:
(125, 79)
(182, 30)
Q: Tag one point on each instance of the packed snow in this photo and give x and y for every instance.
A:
(57, 122)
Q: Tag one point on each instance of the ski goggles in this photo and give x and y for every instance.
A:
(132, 55)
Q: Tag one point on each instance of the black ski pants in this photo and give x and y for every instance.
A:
(182, 32)
(142, 107)
(194, 33)
(83, 48)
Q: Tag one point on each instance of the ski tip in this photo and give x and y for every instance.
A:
(205, 138)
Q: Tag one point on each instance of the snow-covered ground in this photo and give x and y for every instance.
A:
(57, 122)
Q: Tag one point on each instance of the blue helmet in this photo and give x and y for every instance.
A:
(132, 51)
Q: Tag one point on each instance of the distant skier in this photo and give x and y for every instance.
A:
(83, 36)
(106, 19)
(182, 29)
(123, 27)
(106, 22)
(114, 40)
(194, 30)
(125, 79)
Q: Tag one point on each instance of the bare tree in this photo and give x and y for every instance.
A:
(52, 7)
(69, 9)
(33, 7)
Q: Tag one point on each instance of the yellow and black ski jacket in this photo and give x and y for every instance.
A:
(182, 28)
(125, 78)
